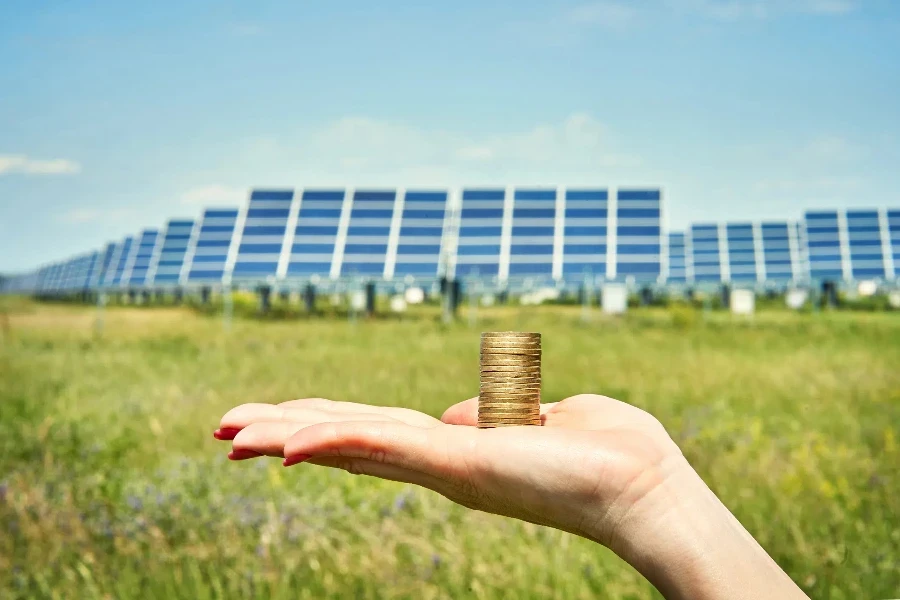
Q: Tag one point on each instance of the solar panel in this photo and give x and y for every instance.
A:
(419, 242)
(135, 275)
(366, 244)
(639, 234)
(741, 244)
(533, 233)
(779, 251)
(585, 226)
(316, 233)
(706, 256)
(209, 255)
(678, 258)
(263, 236)
(120, 262)
(864, 239)
(102, 266)
(167, 263)
(825, 246)
(893, 224)
(480, 232)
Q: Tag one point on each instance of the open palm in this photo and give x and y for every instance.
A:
(585, 471)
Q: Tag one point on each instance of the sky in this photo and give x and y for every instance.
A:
(115, 116)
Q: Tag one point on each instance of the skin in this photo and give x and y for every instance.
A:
(598, 468)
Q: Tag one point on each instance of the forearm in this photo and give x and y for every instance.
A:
(688, 544)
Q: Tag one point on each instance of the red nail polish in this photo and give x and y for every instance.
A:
(226, 433)
(296, 459)
(242, 454)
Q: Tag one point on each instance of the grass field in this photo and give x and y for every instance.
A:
(111, 485)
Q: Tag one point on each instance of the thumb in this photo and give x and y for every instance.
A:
(462, 413)
(390, 450)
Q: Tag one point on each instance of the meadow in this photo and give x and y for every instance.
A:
(111, 485)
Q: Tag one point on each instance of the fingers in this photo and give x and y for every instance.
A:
(391, 443)
(466, 412)
(406, 415)
(267, 438)
(309, 410)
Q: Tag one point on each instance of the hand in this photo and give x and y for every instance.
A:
(598, 468)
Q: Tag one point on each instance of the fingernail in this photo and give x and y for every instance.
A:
(226, 433)
(296, 459)
(242, 454)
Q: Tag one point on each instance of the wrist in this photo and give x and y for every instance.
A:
(681, 537)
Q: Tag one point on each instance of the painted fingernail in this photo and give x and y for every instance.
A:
(242, 454)
(296, 459)
(225, 433)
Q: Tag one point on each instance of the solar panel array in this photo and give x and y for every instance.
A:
(500, 234)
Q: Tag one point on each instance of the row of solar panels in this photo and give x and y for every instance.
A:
(508, 234)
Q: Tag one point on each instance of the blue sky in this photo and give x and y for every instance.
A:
(116, 116)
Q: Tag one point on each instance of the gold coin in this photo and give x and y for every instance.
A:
(507, 415)
(527, 334)
(526, 345)
(508, 423)
(490, 363)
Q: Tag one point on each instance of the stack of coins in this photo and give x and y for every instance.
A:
(510, 391)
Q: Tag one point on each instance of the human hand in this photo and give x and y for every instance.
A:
(598, 468)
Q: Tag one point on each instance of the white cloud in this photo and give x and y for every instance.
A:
(612, 15)
(245, 29)
(811, 185)
(363, 145)
(830, 7)
(81, 215)
(19, 163)
(213, 195)
(832, 148)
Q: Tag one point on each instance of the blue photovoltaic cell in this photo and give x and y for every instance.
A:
(213, 242)
(312, 252)
(741, 251)
(585, 233)
(823, 242)
(864, 240)
(102, 266)
(481, 224)
(531, 244)
(893, 218)
(421, 231)
(141, 254)
(121, 260)
(705, 255)
(776, 247)
(263, 235)
(170, 259)
(638, 234)
(677, 258)
(365, 249)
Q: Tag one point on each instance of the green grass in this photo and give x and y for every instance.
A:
(111, 485)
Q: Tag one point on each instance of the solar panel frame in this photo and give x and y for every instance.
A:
(483, 230)
(211, 246)
(638, 234)
(317, 230)
(826, 245)
(367, 236)
(264, 237)
(707, 259)
(677, 264)
(533, 233)
(142, 251)
(419, 236)
(741, 240)
(167, 265)
(865, 244)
